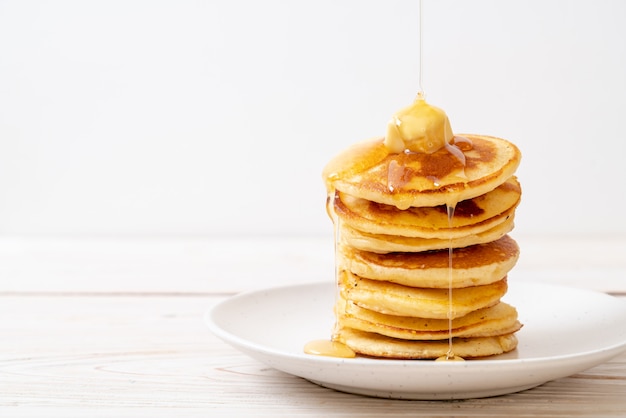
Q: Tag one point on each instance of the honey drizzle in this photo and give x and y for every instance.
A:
(420, 93)
(357, 159)
(450, 354)
(331, 347)
(337, 237)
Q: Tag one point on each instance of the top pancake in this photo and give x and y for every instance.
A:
(368, 171)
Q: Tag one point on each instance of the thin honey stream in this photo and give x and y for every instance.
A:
(330, 347)
(419, 144)
(450, 356)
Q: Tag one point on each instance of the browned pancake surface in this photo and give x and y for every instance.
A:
(470, 216)
(417, 179)
(471, 266)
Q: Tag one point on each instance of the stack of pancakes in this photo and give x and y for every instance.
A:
(422, 248)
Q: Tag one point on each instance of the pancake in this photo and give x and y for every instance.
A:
(376, 345)
(471, 216)
(422, 252)
(413, 179)
(382, 243)
(471, 266)
(499, 319)
(394, 299)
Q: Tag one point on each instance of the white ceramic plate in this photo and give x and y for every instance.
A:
(566, 331)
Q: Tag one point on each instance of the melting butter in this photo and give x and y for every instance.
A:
(418, 128)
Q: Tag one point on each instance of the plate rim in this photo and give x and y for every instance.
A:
(587, 358)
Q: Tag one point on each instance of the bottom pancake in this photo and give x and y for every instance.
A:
(380, 346)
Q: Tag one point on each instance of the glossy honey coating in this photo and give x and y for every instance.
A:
(470, 216)
(417, 179)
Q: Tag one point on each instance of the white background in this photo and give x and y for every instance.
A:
(216, 117)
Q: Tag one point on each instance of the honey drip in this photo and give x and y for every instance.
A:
(337, 238)
(417, 132)
(330, 347)
(450, 353)
(421, 51)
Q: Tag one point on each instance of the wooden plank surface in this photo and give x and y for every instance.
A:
(66, 355)
(113, 327)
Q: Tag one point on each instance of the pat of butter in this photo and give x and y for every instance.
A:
(418, 128)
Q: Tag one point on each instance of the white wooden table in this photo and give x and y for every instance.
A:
(113, 327)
